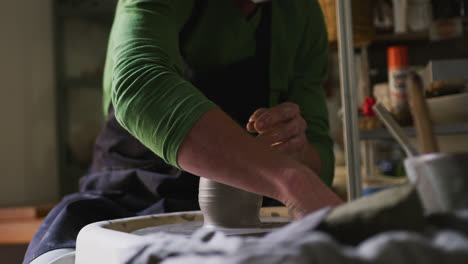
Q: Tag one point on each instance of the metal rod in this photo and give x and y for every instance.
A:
(368, 157)
(349, 97)
(395, 129)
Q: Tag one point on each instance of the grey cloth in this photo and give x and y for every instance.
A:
(397, 208)
(299, 242)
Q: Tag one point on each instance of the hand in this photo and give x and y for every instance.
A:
(306, 193)
(281, 127)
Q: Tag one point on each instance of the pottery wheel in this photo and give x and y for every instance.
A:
(268, 224)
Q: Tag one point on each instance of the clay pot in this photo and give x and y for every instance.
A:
(226, 206)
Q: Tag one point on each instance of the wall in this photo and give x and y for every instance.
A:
(28, 170)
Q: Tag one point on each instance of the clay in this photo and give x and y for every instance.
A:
(226, 206)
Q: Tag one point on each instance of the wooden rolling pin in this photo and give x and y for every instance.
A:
(420, 111)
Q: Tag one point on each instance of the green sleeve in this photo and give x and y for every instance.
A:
(306, 88)
(148, 92)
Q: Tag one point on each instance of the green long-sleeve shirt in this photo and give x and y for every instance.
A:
(143, 77)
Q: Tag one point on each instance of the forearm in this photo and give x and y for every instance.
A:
(218, 149)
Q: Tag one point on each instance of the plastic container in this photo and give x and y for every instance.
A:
(419, 14)
(400, 11)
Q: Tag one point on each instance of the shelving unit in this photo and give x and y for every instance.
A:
(89, 11)
(420, 50)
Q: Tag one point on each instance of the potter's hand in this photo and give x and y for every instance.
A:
(281, 127)
(302, 201)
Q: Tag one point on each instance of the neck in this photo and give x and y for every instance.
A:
(247, 7)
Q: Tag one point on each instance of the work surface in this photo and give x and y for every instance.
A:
(388, 227)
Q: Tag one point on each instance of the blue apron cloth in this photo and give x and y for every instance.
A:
(126, 179)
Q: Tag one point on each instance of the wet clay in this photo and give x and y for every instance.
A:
(226, 206)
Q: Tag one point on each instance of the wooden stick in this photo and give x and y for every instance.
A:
(421, 115)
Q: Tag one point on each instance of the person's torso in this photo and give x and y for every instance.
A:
(238, 84)
(221, 36)
(234, 39)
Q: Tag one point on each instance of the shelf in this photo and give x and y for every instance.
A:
(420, 36)
(402, 37)
(451, 129)
(397, 38)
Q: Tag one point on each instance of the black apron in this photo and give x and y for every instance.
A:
(126, 179)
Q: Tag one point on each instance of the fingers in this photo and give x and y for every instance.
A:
(278, 114)
(284, 132)
(251, 124)
(263, 118)
(257, 114)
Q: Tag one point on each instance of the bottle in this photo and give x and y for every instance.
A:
(398, 69)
